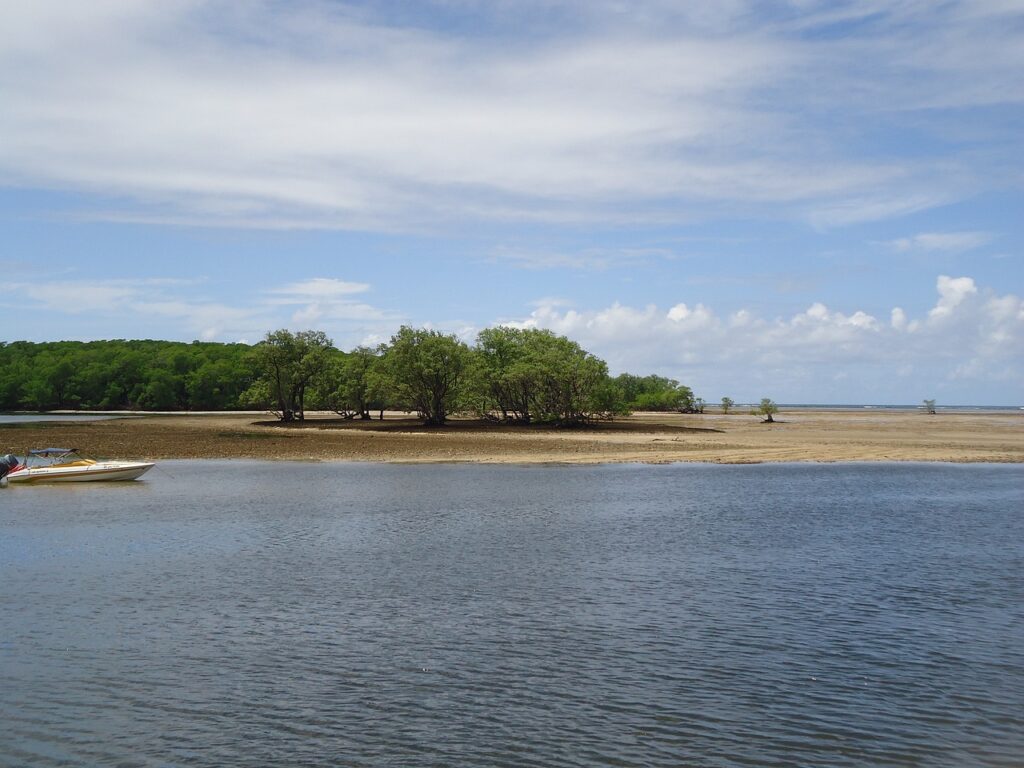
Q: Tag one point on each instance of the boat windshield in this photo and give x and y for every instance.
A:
(52, 456)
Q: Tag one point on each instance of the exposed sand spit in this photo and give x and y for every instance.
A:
(875, 435)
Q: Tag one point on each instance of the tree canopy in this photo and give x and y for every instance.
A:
(349, 386)
(535, 375)
(289, 363)
(512, 375)
(425, 371)
(656, 393)
(767, 409)
(118, 374)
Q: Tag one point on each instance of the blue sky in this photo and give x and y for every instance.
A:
(812, 201)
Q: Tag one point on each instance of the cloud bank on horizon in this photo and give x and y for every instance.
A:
(814, 351)
(821, 200)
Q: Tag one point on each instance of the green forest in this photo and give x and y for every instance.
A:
(508, 375)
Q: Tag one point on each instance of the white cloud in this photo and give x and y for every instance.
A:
(941, 241)
(319, 287)
(77, 297)
(333, 312)
(699, 316)
(82, 296)
(211, 321)
(952, 292)
(329, 115)
(881, 203)
(323, 300)
(971, 334)
(133, 304)
(593, 259)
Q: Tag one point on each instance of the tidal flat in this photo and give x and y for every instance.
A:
(804, 435)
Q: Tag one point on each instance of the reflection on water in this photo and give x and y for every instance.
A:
(235, 613)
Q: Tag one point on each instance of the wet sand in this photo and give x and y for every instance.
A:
(801, 435)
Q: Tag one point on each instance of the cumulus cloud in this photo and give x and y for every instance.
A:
(347, 115)
(898, 319)
(952, 293)
(970, 335)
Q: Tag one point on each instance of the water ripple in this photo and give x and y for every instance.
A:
(480, 616)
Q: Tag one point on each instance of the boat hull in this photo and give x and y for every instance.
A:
(101, 471)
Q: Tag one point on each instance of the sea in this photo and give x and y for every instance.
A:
(242, 613)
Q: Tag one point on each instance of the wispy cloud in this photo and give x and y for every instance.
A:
(941, 241)
(75, 297)
(592, 259)
(323, 300)
(317, 288)
(335, 115)
(208, 320)
(130, 305)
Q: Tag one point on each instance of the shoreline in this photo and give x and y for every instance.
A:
(798, 435)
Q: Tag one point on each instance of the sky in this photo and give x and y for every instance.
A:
(817, 202)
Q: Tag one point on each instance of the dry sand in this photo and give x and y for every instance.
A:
(799, 435)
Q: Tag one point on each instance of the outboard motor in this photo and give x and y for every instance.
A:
(8, 464)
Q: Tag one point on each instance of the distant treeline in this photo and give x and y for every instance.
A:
(113, 375)
(508, 375)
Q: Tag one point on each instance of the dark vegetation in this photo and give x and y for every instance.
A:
(510, 375)
(114, 375)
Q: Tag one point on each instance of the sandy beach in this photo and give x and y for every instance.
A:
(800, 435)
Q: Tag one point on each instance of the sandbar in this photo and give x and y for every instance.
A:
(801, 435)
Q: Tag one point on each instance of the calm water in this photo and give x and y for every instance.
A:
(31, 418)
(236, 613)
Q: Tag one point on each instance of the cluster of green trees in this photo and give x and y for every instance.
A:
(112, 375)
(511, 375)
(656, 393)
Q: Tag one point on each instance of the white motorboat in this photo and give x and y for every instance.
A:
(66, 465)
